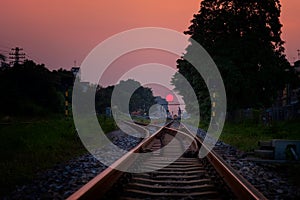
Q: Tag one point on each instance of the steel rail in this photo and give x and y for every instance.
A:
(236, 182)
(99, 185)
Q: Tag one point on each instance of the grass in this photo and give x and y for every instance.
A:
(140, 119)
(107, 124)
(26, 148)
(245, 136)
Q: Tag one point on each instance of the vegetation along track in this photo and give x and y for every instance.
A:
(187, 177)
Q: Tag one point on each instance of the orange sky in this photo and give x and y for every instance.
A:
(57, 32)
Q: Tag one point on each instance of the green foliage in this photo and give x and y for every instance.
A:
(29, 90)
(103, 98)
(107, 124)
(245, 136)
(2, 57)
(244, 40)
(140, 119)
(141, 99)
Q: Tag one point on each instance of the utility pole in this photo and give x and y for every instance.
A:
(16, 56)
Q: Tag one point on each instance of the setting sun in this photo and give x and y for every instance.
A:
(169, 98)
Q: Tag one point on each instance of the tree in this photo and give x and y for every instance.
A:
(29, 89)
(2, 57)
(103, 98)
(140, 98)
(244, 40)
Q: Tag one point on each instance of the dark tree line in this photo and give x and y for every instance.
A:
(2, 57)
(103, 98)
(140, 100)
(244, 40)
(30, 89)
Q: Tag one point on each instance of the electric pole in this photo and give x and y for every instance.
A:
(16, 56)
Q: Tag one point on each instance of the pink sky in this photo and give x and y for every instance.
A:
(57, 32)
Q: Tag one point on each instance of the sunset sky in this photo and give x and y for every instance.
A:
(58, 32)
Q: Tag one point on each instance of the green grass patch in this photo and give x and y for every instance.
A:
(36, 145)
(245, 136)
(107, 124)
(140, 119)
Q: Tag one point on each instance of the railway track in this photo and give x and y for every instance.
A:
(171, 169)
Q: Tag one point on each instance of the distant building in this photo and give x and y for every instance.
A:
(163, 102)
(295, 96)
(287, 105)
(108, 111)
(290, 96)
(75, 70)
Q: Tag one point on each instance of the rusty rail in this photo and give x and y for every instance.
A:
(99, 185)
(237, 183)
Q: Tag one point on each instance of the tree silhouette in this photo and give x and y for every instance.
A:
(141, 99)
(29, 89)
(244, 40)
(2, 57)
(103, 98)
